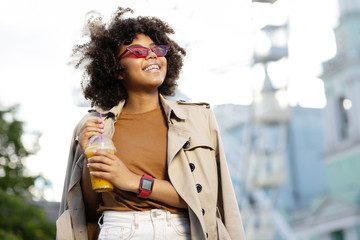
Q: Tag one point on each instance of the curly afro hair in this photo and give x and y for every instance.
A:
(100, 56)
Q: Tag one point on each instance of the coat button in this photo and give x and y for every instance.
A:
(198, 187)
(203, 211)
(192, 166)
(186, 145)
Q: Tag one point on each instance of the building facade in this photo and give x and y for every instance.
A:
(270, 204)
(336, 215)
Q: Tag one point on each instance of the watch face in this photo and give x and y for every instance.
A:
(147, 184)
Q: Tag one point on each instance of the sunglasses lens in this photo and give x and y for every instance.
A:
(160, 50)
(139, 51)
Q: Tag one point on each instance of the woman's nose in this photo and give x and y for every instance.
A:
(151, 54)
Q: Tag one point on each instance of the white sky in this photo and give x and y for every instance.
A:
(36, 38)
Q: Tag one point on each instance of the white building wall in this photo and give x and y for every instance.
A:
(350, 93)
(356, 104)
(330, 121)
(346, 6)
(350, 233)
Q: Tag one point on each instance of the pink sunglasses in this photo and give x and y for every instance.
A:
(142, 52)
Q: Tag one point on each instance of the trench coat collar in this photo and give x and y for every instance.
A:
(171, 109)
(113, 112)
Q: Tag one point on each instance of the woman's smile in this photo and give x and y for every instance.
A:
(152, 67)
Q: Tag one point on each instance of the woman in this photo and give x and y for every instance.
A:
(175, 148)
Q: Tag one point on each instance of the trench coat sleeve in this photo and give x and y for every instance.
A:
(71, 223)
(72, 209)
(63, 203)
(228, 208)
(63, 223)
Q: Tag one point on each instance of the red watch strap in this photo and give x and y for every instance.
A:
(144, 193)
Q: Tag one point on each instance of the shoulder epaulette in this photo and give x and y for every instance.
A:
(204, 104)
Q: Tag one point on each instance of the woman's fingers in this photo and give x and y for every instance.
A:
(89, 129)
(96, 123)
(101, 160)
(102, 155)
(93, 126)
(99, 167)
(104, 175)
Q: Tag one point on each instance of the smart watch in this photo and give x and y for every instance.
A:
(146, 186)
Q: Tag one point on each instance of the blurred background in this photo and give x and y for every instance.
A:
(282, 76)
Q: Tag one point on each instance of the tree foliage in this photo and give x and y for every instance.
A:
(19, 218)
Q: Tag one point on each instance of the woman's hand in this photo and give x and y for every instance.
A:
(89, 129)
(110, 167)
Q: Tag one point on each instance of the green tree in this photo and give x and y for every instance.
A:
(19, 217)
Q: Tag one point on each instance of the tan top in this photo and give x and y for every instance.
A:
(141, 141)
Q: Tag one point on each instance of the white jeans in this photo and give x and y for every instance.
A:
(155, 224)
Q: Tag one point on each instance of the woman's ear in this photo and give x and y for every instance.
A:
(121, 74)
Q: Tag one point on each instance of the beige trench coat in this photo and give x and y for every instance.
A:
(197, 169)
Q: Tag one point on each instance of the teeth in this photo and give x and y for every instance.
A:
(151, 67)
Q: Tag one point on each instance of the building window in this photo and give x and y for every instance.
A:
(337, 235)
(344, 105)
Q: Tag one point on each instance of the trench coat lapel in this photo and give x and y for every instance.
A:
(177, 137)
(178, 134)
(179, 170)
(178, 167)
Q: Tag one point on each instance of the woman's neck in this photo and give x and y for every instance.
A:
(136, 103)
